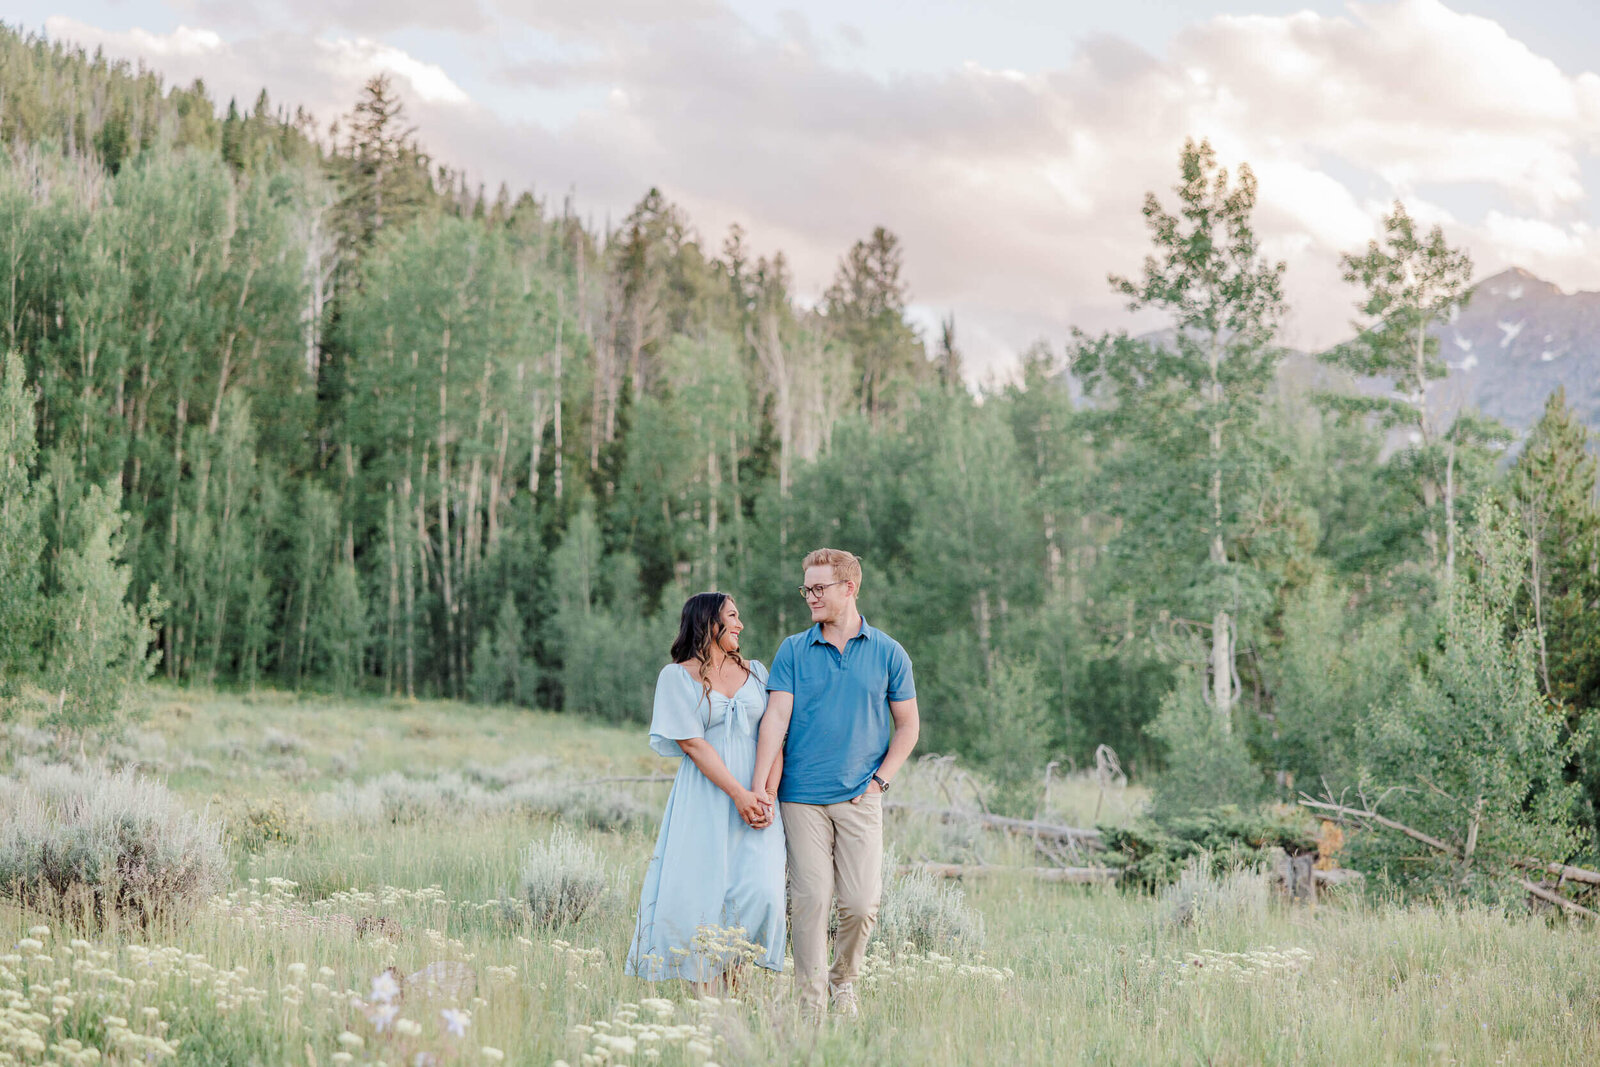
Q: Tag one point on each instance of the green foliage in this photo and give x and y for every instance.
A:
(1553, 495)
(1470, 751)
(501, 667)
(1006, 731)
(98, 643)
(1207, 765)
(1412, 285)
(1153, 855)
(1332, 668)
(22, 608)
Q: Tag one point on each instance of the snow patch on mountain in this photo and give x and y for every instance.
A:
(1510, 329)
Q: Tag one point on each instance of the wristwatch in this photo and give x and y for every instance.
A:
(883, 786)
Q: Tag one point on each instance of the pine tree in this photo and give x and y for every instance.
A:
(1553, 486)
(865, 308)
(99, 644)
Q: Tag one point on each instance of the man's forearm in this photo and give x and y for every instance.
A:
(769, 746)
(908, 725)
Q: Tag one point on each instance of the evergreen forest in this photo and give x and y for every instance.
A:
(298, 408)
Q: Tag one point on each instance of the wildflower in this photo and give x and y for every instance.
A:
(456, 1021)
(382, 1016)
(385, 988)
(30, 945)
(350, 1040)
(407, 1027)
(341, 1058)
(297, 971)
(494, 1055)
(41, 932)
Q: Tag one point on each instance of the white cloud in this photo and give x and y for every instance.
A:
(1014, 192)
(322, 74)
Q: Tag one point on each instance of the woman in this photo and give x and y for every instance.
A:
(719, 859)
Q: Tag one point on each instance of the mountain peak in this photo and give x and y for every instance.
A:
(1514, 283)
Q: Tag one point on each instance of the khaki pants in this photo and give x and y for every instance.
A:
(833, 849)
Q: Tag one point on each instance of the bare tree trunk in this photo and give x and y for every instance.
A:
(560, 458)
(446, 585)
(1450, 514)
(1222, 652)
(713, 486)
(1535, 524)
(392, 629)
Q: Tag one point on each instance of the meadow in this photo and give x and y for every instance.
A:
(377, 913)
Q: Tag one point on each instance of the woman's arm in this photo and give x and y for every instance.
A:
(751, 809)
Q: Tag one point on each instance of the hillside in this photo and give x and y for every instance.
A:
(1517, 340)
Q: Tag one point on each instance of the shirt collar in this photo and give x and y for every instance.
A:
(865, 633)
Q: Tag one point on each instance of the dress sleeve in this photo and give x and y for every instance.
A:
(758, 671)
(680, 711)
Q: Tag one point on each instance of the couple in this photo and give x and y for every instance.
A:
(793, 764)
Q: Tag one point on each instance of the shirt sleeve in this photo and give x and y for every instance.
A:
(902, 686)
(681, 710)
(782, 678)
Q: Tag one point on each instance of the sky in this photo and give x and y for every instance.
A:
(1008, 143)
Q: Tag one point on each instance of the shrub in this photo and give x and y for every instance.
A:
(926, 911)
(563, 879)
(104, 841)
(282, 742)
(1470, 750)
(1154, 856)
(394, 799)
(1202, 896)
(1207, 766)
(586, 805)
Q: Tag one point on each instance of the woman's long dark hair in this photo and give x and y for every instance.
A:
(699, 628)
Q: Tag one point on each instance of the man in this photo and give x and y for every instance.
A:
(842, 710)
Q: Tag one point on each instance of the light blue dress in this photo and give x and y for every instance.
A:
(710, 871)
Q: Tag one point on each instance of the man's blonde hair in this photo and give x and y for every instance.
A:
(846, 567)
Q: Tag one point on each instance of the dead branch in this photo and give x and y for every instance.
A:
(1557, 899)
(1562, 871)
(1533, 888)
(1356, 813)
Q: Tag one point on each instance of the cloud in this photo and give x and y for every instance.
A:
(324, 75)
(1015, 193)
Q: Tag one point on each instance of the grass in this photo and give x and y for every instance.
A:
(1066, 975)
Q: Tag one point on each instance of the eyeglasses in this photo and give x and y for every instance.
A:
(809, 591)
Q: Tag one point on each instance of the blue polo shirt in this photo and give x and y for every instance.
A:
(841, 725)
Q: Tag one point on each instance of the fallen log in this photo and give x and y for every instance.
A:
(1562, 871)
(1073, 834)
(1337, 876)
(1068, 875)
(1417, 835)
(1558, 900)
(1533, 888)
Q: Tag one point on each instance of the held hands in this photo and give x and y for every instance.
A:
(754, 808)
